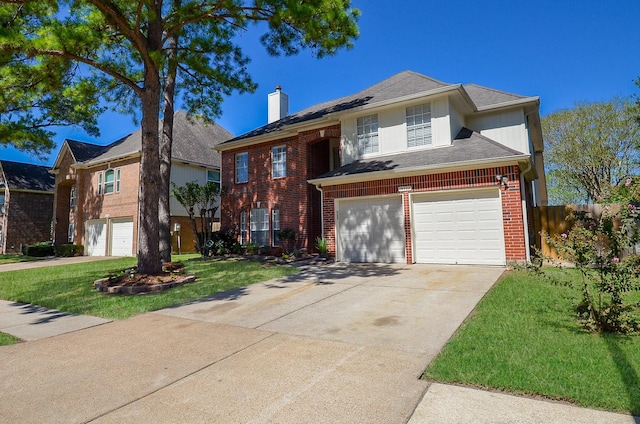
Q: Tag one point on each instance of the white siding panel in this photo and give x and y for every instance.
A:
(440, 122)
(458, 228)
(182, 174)
(371, 230)
(507, 128)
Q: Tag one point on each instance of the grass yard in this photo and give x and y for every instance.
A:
(70, 288)
(8, 339)
(9, 259)
(524, 338)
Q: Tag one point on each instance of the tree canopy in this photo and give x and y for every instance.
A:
(118, 51)
(590, 149)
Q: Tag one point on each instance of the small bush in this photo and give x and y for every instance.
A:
(39, 250)
(68, 250)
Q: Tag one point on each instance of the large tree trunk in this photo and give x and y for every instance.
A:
(166, 143)
(148, 240)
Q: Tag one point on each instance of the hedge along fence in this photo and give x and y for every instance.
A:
(555, 220)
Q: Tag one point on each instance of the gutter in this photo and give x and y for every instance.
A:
(430, 169)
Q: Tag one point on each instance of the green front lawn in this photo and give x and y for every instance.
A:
(523, 337)
(9, 259)
(70, 288)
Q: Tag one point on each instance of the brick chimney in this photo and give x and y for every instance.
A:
(278, 105)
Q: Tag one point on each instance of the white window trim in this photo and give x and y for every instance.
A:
(283, 162)
(73, 197)
(275, 227)
(264, 226)
(362, 136)
(417, 126)
(237, 180)
(102, 181)
(243, 228)
(71, 232)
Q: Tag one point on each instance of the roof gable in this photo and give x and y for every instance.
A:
(193, 141)
(25, 176)
(397, 86)
(485, 97)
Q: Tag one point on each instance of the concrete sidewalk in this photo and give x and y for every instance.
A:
(16, 266)
(30, 322)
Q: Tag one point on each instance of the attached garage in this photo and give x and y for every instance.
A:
(121, 236)
(463, 227)
(371, 230)
(95, 239)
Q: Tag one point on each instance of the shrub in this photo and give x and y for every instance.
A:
(39, 250)
(67, 250)
(321, 245)
(287, 239)
(600, 248)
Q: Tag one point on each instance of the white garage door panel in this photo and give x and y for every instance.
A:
(371, 230)
(462, 228)
(122, 238)
(96, 238)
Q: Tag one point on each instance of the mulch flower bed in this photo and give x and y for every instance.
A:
(131, 282)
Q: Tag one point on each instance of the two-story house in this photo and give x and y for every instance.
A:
(26, 205)
(409, 170)
(97, 187)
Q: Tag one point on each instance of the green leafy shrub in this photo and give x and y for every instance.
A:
(601, 248)
(321, 245)
(39, 250)
(252, 249)
(68, 250)
(287, 239)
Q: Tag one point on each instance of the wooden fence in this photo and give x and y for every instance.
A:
(555, 220)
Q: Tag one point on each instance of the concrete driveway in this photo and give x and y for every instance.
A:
(334, 344)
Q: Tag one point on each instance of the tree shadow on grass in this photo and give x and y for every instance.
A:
(628, 372)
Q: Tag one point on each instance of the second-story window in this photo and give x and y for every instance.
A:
(109, 181)
(73, 194)
(419, 125)
(368, 134)
(242, 167)
(279, 162)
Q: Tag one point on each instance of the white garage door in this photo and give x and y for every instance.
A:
(371, 230)
(96, 238)
(459, 228)
(122, 237)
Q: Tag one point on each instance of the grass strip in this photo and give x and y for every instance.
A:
(524, 337)
(70, 288)
(8, 339)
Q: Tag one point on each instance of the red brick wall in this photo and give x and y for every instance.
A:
(515, 247)
(29, 218)
(292, 195)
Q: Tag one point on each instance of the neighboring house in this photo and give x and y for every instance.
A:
(408, 170)
(26, 205)
(97, 187)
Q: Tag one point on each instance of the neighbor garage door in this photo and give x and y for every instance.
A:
(96, 238)
(371, 230)
(122, 237)
(458, 228)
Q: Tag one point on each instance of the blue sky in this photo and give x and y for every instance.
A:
(560, 50)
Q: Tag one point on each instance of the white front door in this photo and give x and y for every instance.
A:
(462, 227)
(371, 230)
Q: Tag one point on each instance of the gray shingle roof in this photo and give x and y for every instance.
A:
(467, 146)
(399, 85)
(25, 176)
(193, 140)
(483, 96)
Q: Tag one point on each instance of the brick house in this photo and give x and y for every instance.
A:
(97, 187)
(26, 205)
(409, 170)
